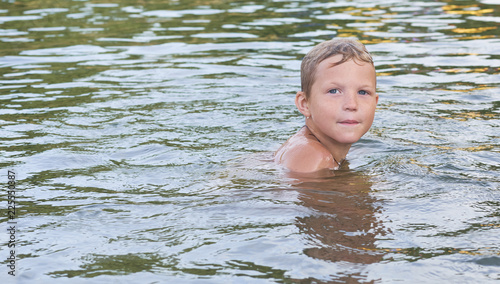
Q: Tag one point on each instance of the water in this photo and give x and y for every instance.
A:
(141, 133)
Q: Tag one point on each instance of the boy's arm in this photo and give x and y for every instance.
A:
(308, 159)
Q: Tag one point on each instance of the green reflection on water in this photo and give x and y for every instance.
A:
(97, 265)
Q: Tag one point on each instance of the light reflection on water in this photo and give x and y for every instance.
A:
(142, 135)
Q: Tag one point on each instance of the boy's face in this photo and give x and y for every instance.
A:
(343, 99)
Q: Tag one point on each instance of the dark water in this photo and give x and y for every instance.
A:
(140, 133)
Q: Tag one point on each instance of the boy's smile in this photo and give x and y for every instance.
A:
(349, 122)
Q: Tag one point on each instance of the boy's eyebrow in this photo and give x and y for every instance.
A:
(361, 86)
(367, 86)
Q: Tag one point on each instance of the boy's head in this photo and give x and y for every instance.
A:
(350, 49)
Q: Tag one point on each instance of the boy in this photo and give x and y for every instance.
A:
(338, 99)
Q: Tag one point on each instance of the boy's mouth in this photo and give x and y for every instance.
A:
(349, 122)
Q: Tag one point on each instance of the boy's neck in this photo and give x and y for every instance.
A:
(337, 150)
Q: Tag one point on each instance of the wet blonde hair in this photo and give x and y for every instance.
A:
(347, 47)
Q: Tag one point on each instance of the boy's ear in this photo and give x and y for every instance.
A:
(302, 104)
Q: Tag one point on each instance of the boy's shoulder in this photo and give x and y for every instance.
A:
(303, 153)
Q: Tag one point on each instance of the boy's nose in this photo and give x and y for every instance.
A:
(351, 102)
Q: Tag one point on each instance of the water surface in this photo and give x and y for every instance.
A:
(141, 133)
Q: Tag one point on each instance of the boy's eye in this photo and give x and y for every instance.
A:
(333, 91)
(363, 92)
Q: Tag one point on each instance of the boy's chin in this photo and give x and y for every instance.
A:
(347, 140)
